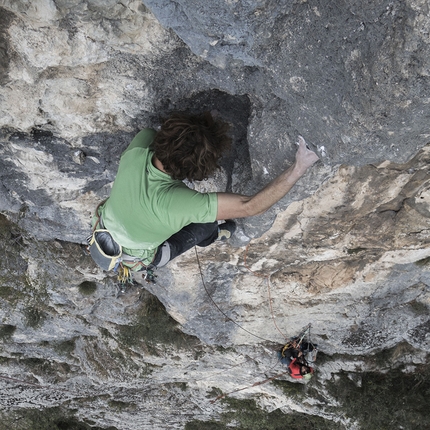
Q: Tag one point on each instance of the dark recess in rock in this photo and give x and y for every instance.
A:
(233, 109)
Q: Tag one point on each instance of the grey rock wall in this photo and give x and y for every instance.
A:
(349, 75)
(347, 250)
(352, 79)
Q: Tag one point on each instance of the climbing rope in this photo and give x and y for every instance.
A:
(216, 305)
(221, 396)
(267, 277)
(268, 288)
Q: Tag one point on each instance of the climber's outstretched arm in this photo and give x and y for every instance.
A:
(240, 206)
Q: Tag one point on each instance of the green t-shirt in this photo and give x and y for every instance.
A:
(146, 206)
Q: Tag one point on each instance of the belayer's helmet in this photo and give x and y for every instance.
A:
(306, 372)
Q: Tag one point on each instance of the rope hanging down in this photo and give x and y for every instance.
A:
(301, 336)
(268, 289)
(216, 305)
(221, 396)
(267, 277)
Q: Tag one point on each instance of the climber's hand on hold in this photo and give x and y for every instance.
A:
(305, 157)
(232, 205)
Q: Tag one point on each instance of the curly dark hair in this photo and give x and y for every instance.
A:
(190, 146)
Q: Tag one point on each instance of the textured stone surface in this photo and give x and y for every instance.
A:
(347, 250)
(89, 72)
(351, 76)
(347, 259)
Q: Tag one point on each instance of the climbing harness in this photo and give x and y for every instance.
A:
(298, 353)
(108, 255)
(295, 342)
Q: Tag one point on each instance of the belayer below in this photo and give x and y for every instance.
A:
(293, 356)
(298, 369)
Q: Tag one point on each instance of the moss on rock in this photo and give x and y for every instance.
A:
(382, 401)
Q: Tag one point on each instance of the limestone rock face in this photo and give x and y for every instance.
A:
(91, 72)
(347, 250)
(349, 76)
(346, 257)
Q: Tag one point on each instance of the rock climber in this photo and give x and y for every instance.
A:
(299, 369)
(292, 355)
(155, 217)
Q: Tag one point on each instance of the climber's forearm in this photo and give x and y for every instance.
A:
(240, 206)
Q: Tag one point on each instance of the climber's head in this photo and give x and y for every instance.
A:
(190, 146)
